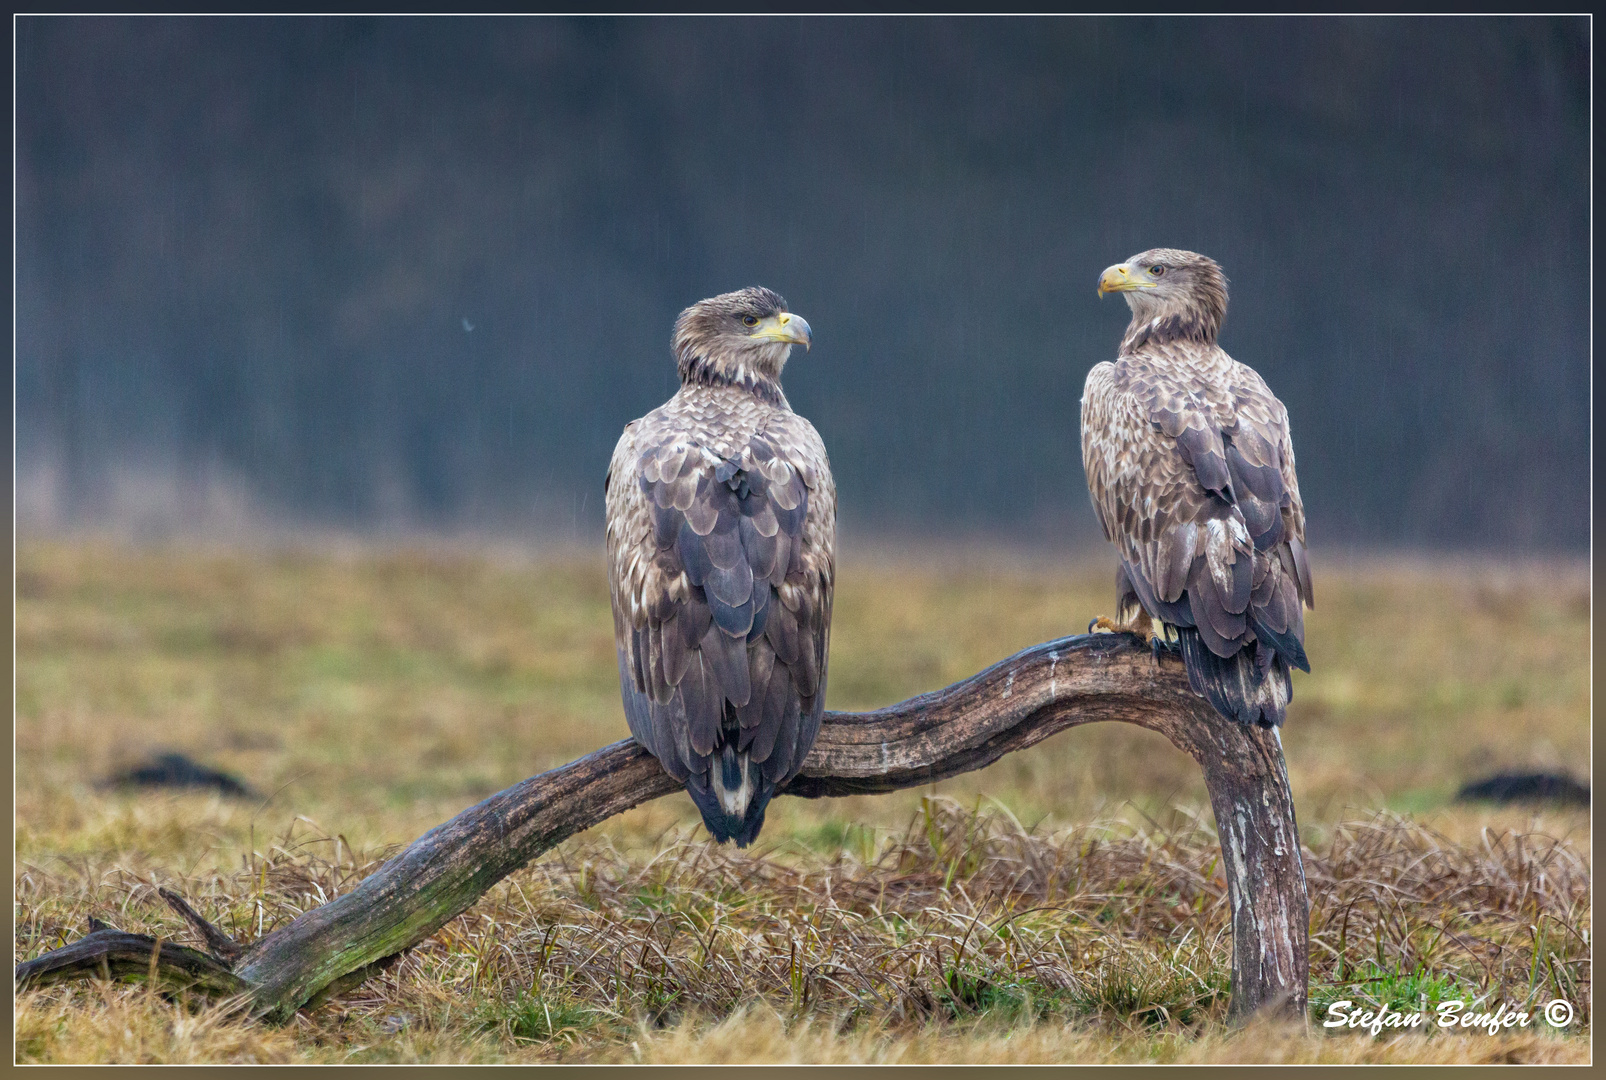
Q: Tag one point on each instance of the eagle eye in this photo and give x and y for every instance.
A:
(749, 320)
(1156, 270)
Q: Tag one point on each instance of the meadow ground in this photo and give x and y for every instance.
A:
(1064, 904)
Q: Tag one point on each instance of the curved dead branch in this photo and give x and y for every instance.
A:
(1012, 705)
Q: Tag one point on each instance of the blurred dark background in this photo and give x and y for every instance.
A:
(390, 274)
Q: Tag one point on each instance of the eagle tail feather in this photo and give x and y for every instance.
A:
(733, 794)
(707, 791)
(1252, 686)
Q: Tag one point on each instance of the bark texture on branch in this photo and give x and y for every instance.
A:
(1012, 705)
(115, 954)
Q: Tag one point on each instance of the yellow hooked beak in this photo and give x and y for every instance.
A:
(1120, 278)
(793, 329)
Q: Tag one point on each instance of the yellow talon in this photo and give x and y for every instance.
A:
(1142, 629)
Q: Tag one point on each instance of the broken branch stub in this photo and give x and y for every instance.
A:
(1012, 705)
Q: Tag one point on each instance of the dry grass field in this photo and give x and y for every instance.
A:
(1064, 904)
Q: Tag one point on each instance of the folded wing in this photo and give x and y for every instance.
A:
(722, 580)
(1195, 486)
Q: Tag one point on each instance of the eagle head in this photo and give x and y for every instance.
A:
(1173, 294)
(739, 337)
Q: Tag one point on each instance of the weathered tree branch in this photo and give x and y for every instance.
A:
(115, 954)
(1012, 705)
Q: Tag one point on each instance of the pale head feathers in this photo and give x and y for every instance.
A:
(720, 341)
(1175, 296)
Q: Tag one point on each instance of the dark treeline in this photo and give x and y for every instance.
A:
(419, 273)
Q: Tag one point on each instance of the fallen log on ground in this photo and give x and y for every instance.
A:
(1012, 705)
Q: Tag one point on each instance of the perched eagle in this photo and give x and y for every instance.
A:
(1191, 470)
(721, 562)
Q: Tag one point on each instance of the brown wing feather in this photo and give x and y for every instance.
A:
(1190, 467)
(721, 532)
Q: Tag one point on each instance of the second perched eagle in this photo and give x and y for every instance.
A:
(721, 541)
(1191, 469)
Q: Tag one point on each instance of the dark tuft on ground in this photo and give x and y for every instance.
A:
(1526, 787)
(176, 770)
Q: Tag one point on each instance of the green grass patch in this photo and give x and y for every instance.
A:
(531, 1017)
